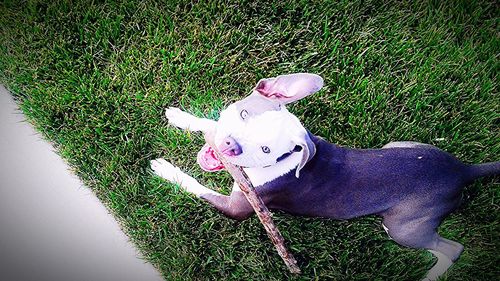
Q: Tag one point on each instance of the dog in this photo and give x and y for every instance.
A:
(412, 186)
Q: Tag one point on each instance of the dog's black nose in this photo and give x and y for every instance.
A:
(230, 147)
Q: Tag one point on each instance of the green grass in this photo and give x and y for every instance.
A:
(95, 77)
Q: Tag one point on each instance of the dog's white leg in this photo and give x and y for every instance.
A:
(446, 251)
(441, 266)
(234, 206)
(187, 121)
(173, 174)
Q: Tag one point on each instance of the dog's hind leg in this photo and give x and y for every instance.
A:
(420, 233)
(446, 252)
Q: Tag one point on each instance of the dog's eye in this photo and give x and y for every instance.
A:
(244, 114)
(265, 149)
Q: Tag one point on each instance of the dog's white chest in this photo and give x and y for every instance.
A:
(260, 176)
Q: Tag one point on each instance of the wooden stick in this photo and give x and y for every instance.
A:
(258, 205)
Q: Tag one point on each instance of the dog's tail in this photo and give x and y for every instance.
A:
(484, 170)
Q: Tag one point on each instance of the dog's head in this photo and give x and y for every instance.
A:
(259, 131)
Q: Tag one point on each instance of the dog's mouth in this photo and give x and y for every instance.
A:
(208, 160)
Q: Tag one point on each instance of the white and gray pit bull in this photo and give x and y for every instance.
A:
(413, 186)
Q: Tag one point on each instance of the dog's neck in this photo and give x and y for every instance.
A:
(262, 175)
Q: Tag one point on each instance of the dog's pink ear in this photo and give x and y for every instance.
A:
(289, 88)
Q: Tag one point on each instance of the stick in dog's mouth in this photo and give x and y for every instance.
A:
(211, 159)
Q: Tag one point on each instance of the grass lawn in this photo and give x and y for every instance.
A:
(95, 77)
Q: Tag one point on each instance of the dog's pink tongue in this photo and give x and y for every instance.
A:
(208, 161)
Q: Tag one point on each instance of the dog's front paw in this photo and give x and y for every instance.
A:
(181, 119)
(164, 169)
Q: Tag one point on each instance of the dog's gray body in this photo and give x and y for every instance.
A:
(413, 186)
(344, 183)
